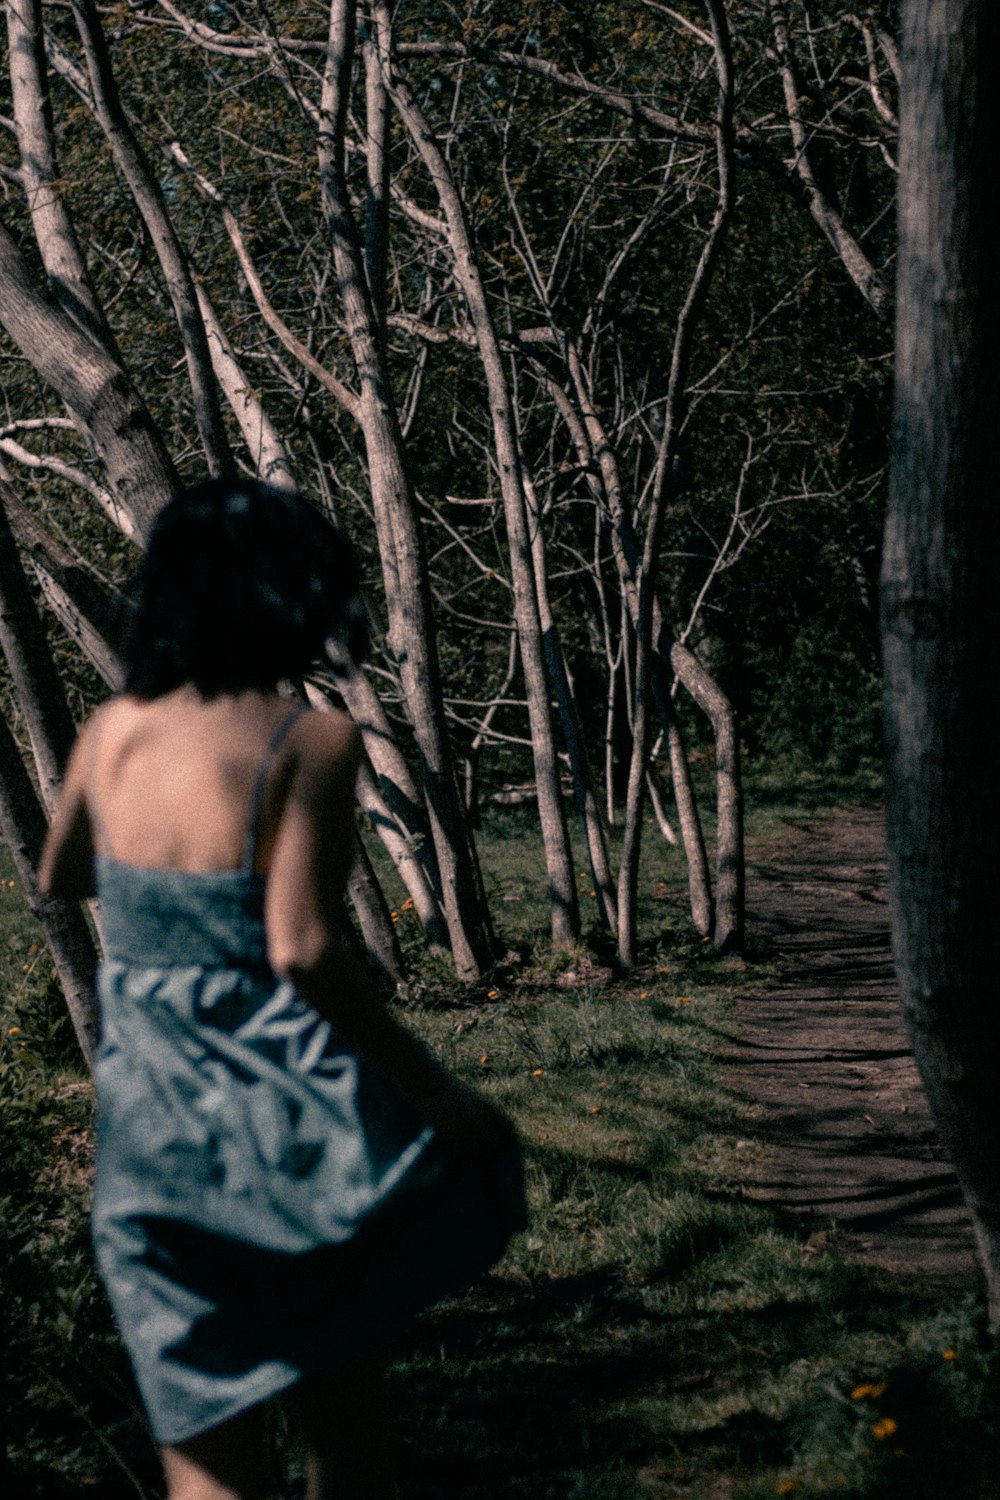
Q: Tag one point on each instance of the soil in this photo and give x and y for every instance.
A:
(848, 1135)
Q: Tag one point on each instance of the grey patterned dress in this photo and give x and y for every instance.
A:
(266, 1205)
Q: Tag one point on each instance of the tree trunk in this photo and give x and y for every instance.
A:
(145, 190)
(36, 682)
(583, 781)
(411, 629)
(564, 907)
(104, 403)
(940, 594)
(730, 878)
(687, 321)
(22, 825)
(377, 930)
(54, 231)
(80, 603)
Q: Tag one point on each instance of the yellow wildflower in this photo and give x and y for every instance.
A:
(884, 1427)
(949, 1354)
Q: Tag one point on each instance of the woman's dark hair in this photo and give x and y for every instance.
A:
(241, 585)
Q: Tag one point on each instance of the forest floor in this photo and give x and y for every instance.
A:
(824, 1052)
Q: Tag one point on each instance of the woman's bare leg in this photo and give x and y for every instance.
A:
(229, 1462)
(343, 1422)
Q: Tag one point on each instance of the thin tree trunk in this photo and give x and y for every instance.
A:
(688, 817)
(411, 629)
(145, 190)
(22, 825)
(683, 337)
(583, 781)
(36, 681)
(626, 552)
(564, 907)
(377, 928)
(940, 598)
(80, 603)
(727, 928)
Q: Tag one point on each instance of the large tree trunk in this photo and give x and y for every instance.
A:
(104, 403)
(941, 593)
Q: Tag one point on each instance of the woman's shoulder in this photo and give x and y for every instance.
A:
(327, 745)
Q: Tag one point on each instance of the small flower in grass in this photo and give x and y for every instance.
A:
(394, 915)
(949, 1354)
(874, 1391)
(13, 1030)
(484, 1059)
(785, 1487)
(884, 1428)
(407, 904)
(596, 1110)
(644, 995)
(537, 1072)
(493, 994)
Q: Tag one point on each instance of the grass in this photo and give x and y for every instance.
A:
(655, 1333)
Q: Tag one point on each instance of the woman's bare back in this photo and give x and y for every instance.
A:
(170, 781)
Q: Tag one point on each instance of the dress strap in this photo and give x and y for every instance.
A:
(257, 798)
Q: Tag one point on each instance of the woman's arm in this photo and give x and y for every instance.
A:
(66, 865)
(310, 862)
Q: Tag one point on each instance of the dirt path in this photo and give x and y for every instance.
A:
(825, 1052)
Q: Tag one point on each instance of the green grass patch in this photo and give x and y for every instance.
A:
(655, 1332)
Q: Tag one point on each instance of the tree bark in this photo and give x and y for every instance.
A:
(102, 399)
(683, 336)
(53, 227)
(22, 825)
(727, 926)
(411, 628)
(80, 603)
(36, 681)
(583, 780)
(145, 190)
(564, 906)
(377, 929)
(591, 439)
(940, 593)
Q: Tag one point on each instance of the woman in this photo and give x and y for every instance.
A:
(283, 1171)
